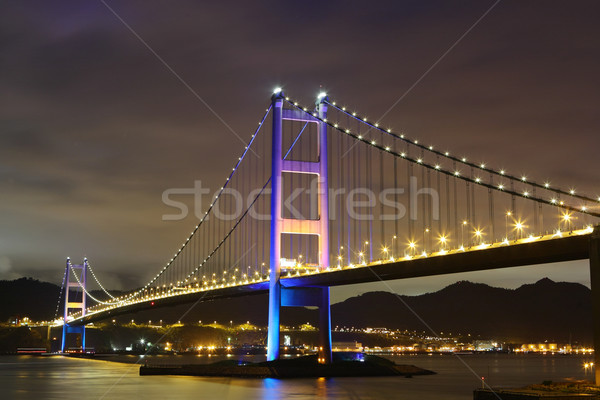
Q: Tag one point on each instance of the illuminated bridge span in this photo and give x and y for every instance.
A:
(321, 197)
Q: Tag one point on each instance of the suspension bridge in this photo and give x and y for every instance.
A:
(321, 197)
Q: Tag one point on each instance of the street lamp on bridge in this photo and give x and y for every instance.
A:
(508, 214)
(411, 246)
(443, 240)
(479, 235)
(385, 251)
(519, 227)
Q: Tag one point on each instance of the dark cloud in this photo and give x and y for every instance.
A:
(93, 127)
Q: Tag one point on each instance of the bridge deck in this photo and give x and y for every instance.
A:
(541, 250)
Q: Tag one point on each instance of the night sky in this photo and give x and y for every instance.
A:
(94, 127)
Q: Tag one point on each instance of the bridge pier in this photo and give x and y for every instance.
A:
(274, 329)
(325, 355)
(73, 329)
(595, 286)
(300, 297)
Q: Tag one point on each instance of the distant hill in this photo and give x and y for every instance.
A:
(28, 297)
(556, 311)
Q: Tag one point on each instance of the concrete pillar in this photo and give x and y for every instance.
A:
(324, 306)
(276, 223)
(83, 300)
(325, 356)
(64, 338)
(323, 187)
(66, 310)
(595, 284)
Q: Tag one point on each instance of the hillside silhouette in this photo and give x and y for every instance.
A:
(546, 310)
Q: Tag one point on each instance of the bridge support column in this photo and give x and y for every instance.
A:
(325, 356)
(273, 334)
(276, 230)
(298, 296)
(595, 285)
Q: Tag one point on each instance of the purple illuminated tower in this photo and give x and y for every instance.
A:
(298, 296)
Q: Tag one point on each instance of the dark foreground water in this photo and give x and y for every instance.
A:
(31, 377)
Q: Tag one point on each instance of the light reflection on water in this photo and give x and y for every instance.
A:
(32, 377)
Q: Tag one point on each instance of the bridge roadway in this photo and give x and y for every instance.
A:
(570, 246)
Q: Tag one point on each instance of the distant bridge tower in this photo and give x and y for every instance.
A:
(74, 300)
(298, 296)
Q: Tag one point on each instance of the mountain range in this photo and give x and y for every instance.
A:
(546, 310)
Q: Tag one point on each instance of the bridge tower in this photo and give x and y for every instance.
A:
(74, 300)
(279, 295)
(595, 290)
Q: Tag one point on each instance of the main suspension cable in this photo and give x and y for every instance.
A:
(464, 161)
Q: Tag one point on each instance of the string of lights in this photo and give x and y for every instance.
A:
(463, 160)
(98, 281)
(231, 230)
(234, 169)
(227, 236)
(202, 220)
(82, 286)
(222, 242)
(62, 288)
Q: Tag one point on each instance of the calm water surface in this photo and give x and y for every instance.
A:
(31, 377)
